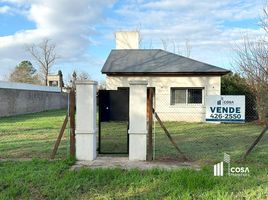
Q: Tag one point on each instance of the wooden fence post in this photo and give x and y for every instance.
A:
(256, 141)
(169, 136)
(57, 143)
(72, 122)
(150, 124)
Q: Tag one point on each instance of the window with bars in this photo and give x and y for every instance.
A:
(186, 96)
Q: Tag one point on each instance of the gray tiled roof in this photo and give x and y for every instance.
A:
(155, 61)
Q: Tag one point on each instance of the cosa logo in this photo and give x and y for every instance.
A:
(227, 102)
(232, 171)
(239, 170)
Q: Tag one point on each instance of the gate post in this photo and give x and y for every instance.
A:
(86, 120)
(137, 120)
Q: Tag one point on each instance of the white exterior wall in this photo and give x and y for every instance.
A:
(163, 85)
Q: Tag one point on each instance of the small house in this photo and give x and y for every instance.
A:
(180, 84)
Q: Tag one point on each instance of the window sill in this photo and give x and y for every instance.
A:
(186, 105)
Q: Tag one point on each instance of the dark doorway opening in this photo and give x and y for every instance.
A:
(113, 121)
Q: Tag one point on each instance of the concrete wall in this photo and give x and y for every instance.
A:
(163, 85)
(17, 98)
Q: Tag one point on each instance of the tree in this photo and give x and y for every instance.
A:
(61, 78)
(102, 85)
(81, 76)
(185, 50)
(44, 54)
(24, 72)
(234, 84)
(188, 48)
(252, 61)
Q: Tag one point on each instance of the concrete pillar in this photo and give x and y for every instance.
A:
(86, 120)
(137, 120)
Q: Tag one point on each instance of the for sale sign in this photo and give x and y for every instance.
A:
(225, 108)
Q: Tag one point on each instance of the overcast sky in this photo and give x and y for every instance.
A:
(83, 30)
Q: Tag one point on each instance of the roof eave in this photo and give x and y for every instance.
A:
(164, 73)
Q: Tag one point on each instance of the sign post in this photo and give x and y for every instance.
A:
(225, 108)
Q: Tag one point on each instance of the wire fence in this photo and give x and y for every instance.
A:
(113, 138)
(33, 135)
(202, 141)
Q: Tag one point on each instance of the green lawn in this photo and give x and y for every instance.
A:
(114, 137)
(41, 179)
(208, 142)
(202, 142)
(33, 136)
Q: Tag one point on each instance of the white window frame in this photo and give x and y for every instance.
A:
(186, 93)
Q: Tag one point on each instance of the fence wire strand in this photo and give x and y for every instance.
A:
(203, 141)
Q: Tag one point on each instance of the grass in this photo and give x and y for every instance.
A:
(33, 136)
(202, 142)
(114, 137)
(208, 142)
(39, 179)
